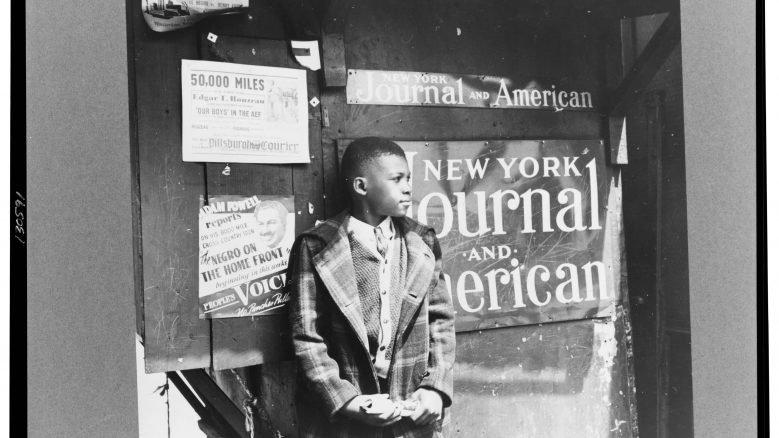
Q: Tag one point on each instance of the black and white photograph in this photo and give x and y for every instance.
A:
(388, 219)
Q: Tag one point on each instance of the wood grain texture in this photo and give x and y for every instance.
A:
(333, 59)
(417, 123)
(240, 342)
(642, 215)
(646, 66)
(262, 20)
(308, 179)
(170, 189)
(334, 102)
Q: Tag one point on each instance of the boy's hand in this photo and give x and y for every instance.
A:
(374, 409)
(430, 406)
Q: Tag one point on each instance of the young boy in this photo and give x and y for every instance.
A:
(372, 323)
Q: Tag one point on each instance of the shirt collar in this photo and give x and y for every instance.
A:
(387, 228)
(365, 230)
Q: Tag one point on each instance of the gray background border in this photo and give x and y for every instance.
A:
(80, 320)
(718, 67)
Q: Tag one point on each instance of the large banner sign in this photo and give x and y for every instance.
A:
(244, 250)
(379, 87)
(527, 228)
(236, 113)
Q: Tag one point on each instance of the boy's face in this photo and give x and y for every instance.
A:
(388, 186)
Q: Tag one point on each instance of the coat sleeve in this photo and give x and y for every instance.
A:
(320, 372)
(440, 366)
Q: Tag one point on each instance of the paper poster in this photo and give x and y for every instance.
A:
(236, 113)
(381, 87)
(167, 15)
(526, 227)
(244, 250)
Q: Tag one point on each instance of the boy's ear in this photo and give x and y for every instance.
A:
(359, 185)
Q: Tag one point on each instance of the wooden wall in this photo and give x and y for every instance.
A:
(168, 192)
(526, 39)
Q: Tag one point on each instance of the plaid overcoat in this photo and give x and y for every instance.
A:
(331, 342)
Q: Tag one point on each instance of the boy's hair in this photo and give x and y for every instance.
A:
(361, 152)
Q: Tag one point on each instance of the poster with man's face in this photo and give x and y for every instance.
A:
(271, 220)
(244, 249)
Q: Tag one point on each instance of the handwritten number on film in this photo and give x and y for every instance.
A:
(19, 209)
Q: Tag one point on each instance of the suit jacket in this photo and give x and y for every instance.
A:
(331, 342)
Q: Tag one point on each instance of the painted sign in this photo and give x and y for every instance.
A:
(167, 15)
(244, 249)
(527, 228)
(379, 87)
(236, 113)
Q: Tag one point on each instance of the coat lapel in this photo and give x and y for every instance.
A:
(419, 274)
(336, 269)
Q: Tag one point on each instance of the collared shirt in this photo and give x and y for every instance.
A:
(365, 234)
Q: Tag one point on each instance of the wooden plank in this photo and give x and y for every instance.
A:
(251, 341)
(262, 20)
(301, 18)
(421, 123)
(645, 67)
(611, 41)
(334, 59)
(308, 179)
(169, 190)
(628, 47)
(240, 342)
(333, 49)
(135, 179)
(188, 395)
(679, 408)
(271, 386)
(217, 401)
(334, 105)
(615, 9)
(623, 372)
(277, 388)
(641, 213)
(424, 36)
